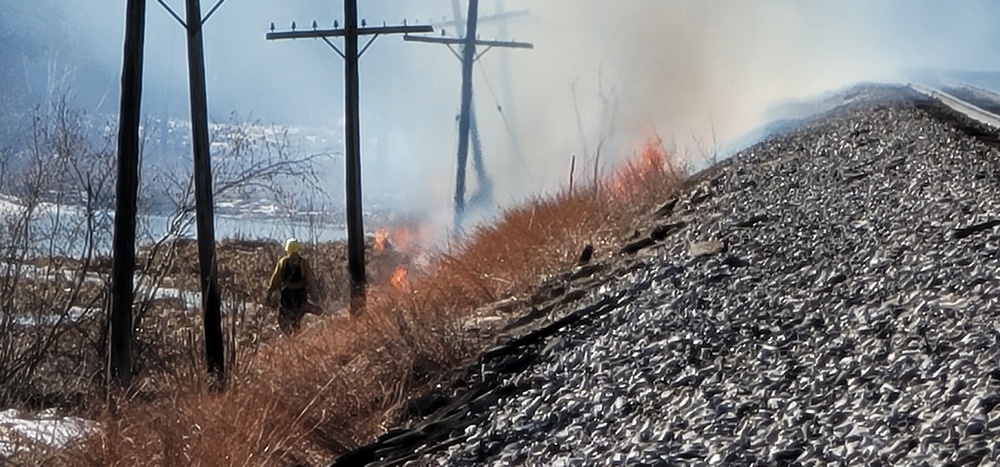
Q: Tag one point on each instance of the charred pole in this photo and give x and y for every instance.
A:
(123, 262)
(351, 32)
(211, 302)
(468, 41)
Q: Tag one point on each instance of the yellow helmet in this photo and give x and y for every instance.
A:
(292, 245)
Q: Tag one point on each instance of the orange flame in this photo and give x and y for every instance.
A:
(402, 238)
(400, 279)
(649, 166)
(381, 240)
(406, 237)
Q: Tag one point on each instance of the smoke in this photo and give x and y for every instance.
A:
(703, 75)
(700, 72)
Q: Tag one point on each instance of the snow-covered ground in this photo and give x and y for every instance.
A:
(246, 220)
(72, 315)
(21, 431)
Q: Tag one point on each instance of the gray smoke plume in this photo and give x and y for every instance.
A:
(703, 75)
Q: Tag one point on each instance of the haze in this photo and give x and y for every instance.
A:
(702, 74)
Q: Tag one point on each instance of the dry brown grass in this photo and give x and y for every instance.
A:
(310, 398)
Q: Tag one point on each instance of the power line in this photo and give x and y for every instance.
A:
(503, 116)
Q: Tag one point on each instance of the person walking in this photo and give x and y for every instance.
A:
(291, 286)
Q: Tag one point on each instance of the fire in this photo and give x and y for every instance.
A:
(654, 156)
(403, 238)
(381, 240)
(637, 175)
(407, 237)
(400, 279)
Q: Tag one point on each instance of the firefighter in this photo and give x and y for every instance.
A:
(291, 287)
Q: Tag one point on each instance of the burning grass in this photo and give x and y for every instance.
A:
(310, 398)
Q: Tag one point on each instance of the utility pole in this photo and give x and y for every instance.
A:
(465, 116)
(466, 122)
(485, 186)
(123, 262)
(351, 32)
(211, 302)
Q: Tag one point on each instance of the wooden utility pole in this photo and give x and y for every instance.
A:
(466, 122)
(123, 262)
(351, 32)
(465, 116)
(485, 193)
(485, 186)
(211, 302)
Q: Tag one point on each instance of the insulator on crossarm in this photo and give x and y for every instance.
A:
(272, 26)
(315, 25)
(364, 22)
(293, 25)
(336, 24)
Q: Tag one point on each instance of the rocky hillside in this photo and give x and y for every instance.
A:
(830, 295)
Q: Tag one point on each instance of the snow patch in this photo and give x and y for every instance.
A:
(21, 431)
(72, 315)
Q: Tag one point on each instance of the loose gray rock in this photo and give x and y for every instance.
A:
(853, 326)
(709, 248)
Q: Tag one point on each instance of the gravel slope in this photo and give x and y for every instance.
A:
(829, 296)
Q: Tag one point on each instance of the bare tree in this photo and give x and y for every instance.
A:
(56, 207)
(55, 222)
(253, 161)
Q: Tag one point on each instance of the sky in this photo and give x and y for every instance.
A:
(700, 74)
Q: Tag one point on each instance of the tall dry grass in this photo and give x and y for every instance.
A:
(309, 398)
